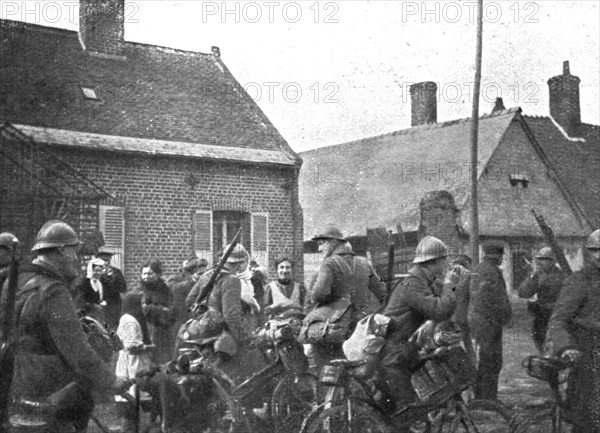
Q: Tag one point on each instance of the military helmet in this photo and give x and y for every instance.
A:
(430, 248)
(545, 253)
(55, 234)
(239, 254)
(330, 232)
(8, 240)
(593, 240)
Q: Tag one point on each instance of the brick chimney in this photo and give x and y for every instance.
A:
(498, 106)
(101, 26)
(423, 103)
(564, 100)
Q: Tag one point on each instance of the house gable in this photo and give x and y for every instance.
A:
(516, 179)
(379, 181)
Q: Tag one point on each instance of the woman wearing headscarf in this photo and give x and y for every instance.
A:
(90, 292)
(157, 305)
(135, 355)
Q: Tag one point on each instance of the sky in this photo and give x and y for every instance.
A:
(328, 72)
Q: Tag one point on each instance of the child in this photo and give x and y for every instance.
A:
(135, 354)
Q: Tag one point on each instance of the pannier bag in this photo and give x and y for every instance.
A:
(327, 323)
(439, 378)
(367, 342)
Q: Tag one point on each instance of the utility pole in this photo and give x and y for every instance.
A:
(474, 217)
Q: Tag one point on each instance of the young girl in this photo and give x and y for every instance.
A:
(135, 354)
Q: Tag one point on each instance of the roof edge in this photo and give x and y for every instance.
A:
(203, 151)
(509, 111)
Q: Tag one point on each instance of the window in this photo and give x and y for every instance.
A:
(517, 180)
(214, 230)
(112, 226)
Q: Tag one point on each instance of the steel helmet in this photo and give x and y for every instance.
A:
(330, 232)
(55, 234)
(593, 240)
(430, 248)
(545, 253)
(8, 240)
(238, 255)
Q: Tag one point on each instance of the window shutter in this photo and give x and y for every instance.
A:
(203, 235)
(260, 238)
(112, 226)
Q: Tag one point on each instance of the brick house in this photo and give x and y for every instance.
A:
(183, 156)
(419, 179)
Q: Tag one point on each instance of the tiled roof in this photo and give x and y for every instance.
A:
(153, 147)
(379, 181)
(575, 161)
(153, 93)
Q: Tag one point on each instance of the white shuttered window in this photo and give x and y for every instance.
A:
(112, 226)
(203, 235)
(260, 238)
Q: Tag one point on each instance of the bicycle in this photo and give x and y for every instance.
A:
(291, 389)
(550, 416)
(442, 409)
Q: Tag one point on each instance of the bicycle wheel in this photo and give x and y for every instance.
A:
(540, 420)
(349, 416)
(294, 397)
(477, 416)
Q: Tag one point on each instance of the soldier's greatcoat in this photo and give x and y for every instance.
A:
(52, 349)
(575, 324)
(413, 301)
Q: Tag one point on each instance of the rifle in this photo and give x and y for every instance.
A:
(7, 338)
(549, 234)
(208, 287)
(390, 267)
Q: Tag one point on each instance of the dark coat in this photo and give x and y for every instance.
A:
(86, 292)
(414, 301)
(547, 286)
(181, 290)
(575, 324)
(157, 304)
(52, 349)
(489, 305)
(343, 275)
(113, 285)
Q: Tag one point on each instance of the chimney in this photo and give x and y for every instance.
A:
(101, 26)
(498, 106)
(564, 100)
(423, 103)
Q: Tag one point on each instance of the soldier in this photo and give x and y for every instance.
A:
(545, 281)
(53, 356)
(341, 276)
(226, 334)
(574, 333)
(489, 311)
(419, 297)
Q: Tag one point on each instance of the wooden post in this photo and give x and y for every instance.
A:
(474, 220)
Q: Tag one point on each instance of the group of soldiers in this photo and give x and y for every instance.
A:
(52, 351)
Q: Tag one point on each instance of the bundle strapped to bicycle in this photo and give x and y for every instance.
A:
(546, 369)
